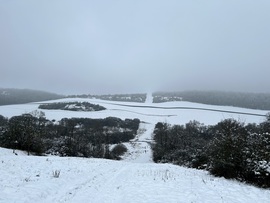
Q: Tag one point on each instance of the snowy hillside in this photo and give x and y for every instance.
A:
(30, 179)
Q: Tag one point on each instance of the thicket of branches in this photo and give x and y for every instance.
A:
(69, 137)
(229, 149)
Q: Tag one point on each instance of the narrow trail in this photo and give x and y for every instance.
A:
(139, 149)
(149, 98)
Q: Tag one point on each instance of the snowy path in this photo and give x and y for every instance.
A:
(139, 149)
(149, 98)
(26, 179)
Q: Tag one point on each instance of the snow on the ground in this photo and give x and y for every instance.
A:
(139, 149)
(150, 115)
(30, 179)
(135, 179)
(149, 98)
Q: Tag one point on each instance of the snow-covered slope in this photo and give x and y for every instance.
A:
(30, 179)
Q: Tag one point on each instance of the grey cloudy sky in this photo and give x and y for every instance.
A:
(117, 46)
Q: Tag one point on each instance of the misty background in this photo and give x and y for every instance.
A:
(98, 47)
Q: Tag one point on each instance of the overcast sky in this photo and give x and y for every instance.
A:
(121, 46)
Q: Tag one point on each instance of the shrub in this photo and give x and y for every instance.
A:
(119, 150)
(56, 173)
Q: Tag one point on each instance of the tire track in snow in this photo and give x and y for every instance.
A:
(144, 114)
(110, 184)
(187, 108)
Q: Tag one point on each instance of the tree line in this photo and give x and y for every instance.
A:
(140, 98)
(21, 96)
(82, 137)
(230, 149)
(237, 99)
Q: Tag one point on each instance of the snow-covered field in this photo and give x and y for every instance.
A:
(150, 115)
(136, 178)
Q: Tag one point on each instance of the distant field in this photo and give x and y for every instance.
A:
(152, 113)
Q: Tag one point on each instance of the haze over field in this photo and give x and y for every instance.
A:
(74, 47)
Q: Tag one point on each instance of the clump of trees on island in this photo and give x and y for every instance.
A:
(72, 106)
(83, 137)
(229, 149)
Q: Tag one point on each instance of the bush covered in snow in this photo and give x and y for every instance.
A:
(229, 149)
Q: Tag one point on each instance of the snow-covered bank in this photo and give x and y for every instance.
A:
(29, 179)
